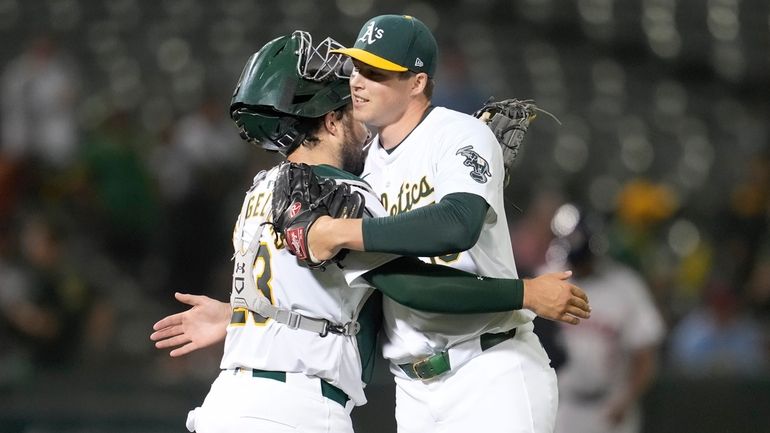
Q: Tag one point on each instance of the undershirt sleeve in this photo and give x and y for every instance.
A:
(452, 225)
(441, 289)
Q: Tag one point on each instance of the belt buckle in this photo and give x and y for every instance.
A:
(423, 369)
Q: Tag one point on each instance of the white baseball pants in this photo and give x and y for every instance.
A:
(509, 388)
(239, 403)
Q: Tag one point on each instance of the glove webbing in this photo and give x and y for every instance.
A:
(245, 294)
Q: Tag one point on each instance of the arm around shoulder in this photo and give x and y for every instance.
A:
(441, 289)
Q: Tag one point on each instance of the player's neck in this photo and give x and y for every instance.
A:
(393, 134)
(315, 156)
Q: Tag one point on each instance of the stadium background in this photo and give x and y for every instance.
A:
(121, 175)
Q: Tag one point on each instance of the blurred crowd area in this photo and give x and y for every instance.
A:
(121, 173)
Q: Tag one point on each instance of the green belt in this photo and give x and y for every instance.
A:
(438, 364)
(327, 389)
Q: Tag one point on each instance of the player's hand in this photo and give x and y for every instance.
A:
(552, 297)
(201, 326)
(320, 241)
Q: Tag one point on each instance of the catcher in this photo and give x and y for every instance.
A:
(306, 338)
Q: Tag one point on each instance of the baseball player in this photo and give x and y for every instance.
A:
(612, 357)
(309, 349)
(446, 168)
(271, 373)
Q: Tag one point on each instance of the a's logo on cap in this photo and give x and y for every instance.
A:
(372, 34)
(418, 63)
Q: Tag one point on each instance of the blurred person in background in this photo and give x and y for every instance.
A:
(45, 300)
(718, 338)
(643, 206)
(199, 147)
(15, 298)
(746, 220)
(39, 91)
(197, 170)
(114, 187)
(612, 358)
(638, 236)
(723, 332)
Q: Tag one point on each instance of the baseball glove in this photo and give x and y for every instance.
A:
(300, 198)
(509, 120)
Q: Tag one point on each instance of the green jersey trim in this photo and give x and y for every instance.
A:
(329, 172)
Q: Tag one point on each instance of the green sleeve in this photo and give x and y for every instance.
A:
(449, 226)
(441, 289)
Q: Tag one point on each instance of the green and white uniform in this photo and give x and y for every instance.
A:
(448, 153)
(302, 359)
(336, 294)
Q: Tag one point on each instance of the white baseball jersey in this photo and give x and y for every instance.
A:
(337, 294)
(623, 319)
(448, 152)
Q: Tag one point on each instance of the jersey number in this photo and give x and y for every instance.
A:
(264, 280)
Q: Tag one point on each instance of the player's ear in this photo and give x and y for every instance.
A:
(419, 82)
(332, 122)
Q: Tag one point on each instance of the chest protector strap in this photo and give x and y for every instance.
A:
(245, 294)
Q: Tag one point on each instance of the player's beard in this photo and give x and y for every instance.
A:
(352, 155)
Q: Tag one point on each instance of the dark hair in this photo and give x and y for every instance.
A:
(311, 126)
(428, 90)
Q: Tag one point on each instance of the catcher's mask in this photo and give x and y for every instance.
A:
(284, 84)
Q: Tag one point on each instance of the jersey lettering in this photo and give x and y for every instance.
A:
(257, 208)
(268, 199)
(408, 196)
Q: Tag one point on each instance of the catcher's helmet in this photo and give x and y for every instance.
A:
(284, 84)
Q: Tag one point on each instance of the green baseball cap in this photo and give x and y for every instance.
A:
(395, 43)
